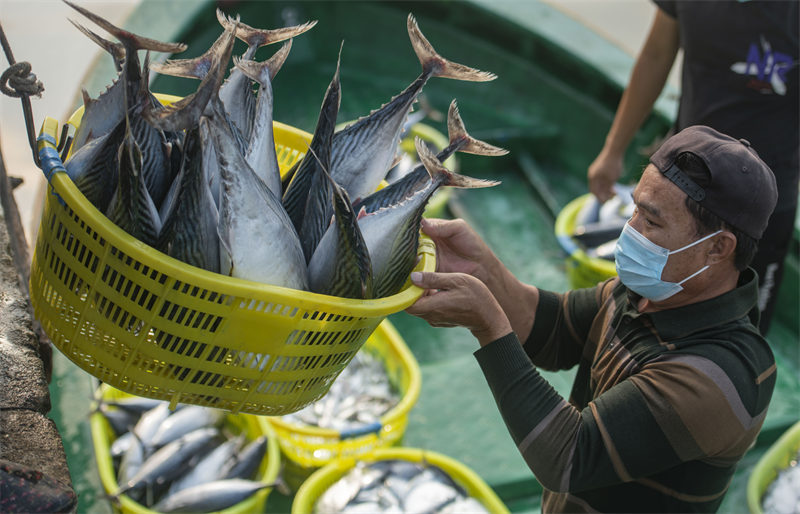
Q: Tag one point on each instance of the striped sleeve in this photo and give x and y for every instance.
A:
(675, 410)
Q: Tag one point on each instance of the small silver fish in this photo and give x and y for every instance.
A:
(187, 419)
(168, 461)
(211, 496)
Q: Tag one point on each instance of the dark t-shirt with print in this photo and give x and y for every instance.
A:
(741, 76)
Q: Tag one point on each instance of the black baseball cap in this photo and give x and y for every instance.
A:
(742, 190)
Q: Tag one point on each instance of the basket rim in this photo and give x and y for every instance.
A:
(315, 485)
(130, 246)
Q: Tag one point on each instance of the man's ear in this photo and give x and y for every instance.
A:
(723, 248)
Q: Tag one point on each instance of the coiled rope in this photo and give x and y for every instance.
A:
(19, 82)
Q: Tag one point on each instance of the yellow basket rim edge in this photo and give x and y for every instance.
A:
(149, 256)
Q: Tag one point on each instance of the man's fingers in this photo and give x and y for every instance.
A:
(430, 280)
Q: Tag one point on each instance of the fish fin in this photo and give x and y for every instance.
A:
(117, 50)
(136, 41)
(448, 178)
(437, 65)
(397, 158)
(457, 133)
(198, 67)
(261, 72)
(260, 37)
(186, 112)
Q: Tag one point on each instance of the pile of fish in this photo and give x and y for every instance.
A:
(783, 494)
(598, 226)
(396, 486)
(187, 460)
(199, 179)
(361, 394)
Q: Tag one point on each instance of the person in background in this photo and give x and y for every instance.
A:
(673, 380)
(740, 76)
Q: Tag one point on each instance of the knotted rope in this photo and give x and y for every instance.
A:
(18, 82)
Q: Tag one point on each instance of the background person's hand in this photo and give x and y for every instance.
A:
(603, 173)
(458, 299)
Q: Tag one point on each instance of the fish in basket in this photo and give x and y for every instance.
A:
(195, 250)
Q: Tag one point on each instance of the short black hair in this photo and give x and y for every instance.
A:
(708, 222)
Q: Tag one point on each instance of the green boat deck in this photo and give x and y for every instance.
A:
(554, 99)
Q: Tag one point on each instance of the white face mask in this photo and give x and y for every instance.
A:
(640, 263)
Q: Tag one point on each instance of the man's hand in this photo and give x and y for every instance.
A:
(459, 249)
(459, 299)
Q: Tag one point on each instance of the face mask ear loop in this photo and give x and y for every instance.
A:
(695, 242)
(694, 274)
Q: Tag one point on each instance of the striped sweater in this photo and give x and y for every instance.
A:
(663, 405)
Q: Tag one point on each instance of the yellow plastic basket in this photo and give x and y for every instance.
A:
(321, 480)
(307, 448)
(153, 326)
(582, 270)
(252, 426)
(776, 459)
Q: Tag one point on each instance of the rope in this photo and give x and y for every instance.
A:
(18, 82)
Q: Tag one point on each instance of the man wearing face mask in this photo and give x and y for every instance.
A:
(674, 378)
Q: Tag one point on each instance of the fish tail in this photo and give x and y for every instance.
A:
(458, 135)
(437, 65)
(117, 50)
(260, 37)
(186, 112)
(129, 39)
(444, 176)
(261, 72)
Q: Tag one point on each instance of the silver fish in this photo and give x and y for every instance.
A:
(261, 154)
(211, 496)
(419, 177)
(245, 463)
(149, 424)
(131, 207)
(307, 200)
(392, 233)
(208, 468)
(363, 152)
(94, 167)
(236, 93)
(250, 212)
(132, 460)
(187, 419)
(340, 265)
(168, 461)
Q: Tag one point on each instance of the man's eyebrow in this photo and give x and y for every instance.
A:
(649, 208)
